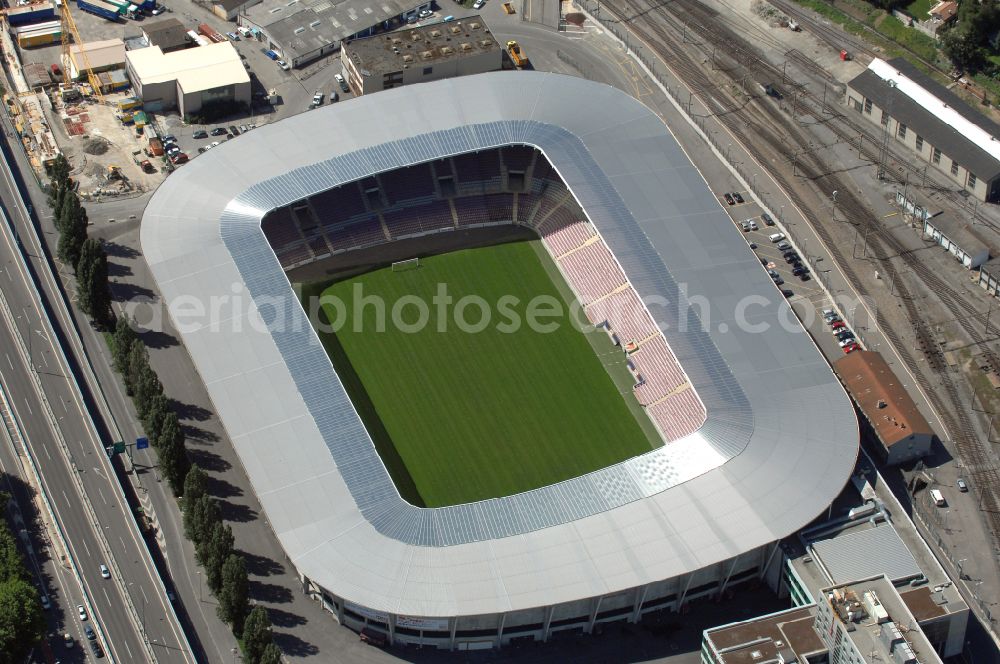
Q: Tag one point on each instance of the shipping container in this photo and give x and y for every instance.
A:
(100, 8)
(39, 37)
(19, 29)
(28, 14)
(129, 103)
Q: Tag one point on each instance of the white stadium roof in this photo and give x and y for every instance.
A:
(781, 436)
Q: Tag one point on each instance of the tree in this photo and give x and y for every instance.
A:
(92, 289)
(21, 621)
(174, 461)
(200, 517)
(72, 230)
(256, 634)
(11, 563)
(271, 655)
(220, 547)
(155, 415)
(124, 336)
(137, 363)
(57, 197)
(195, 483)
(59, 171)
(234, 596)
(147, 387)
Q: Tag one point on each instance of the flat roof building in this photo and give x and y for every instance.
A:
(959, 238)
(188, 79)
(878, 393)
(99, 56)
(420, 54)
(169, 34)
(932, 121)
(305, 30)
(785, 636)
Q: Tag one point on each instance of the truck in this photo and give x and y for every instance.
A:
(516, 54)
(31, 14)
(937, 497)
(125, 8)
(99, 8)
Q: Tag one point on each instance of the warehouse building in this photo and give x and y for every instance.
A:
(418, 55)
(903, 432)
(188, 79)
(305, 30)
(99, 56)
(943, 130)
(169, 34)
(961, 239)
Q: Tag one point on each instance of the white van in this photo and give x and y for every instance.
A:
(776, 237)
(937, 497)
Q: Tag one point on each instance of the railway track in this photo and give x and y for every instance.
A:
(779, 136)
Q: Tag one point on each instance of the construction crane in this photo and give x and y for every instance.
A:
(69, 29)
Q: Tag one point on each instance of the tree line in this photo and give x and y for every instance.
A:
(225, 569)
(22, 625)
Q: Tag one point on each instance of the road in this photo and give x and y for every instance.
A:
(70, 457)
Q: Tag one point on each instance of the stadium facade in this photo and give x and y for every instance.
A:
(778, 442)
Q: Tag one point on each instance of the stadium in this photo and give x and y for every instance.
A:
(754, 436)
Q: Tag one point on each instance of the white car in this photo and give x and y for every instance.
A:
(424, 13)
(318, 99)
(105, 574)
(81, 611)
(284, 65)
(479, 4)
(158, 10)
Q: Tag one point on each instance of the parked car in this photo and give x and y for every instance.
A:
(105, 574)
(754, 226)
(214, 144)
(334, 96)
(284, 65)
(729, 198)
(786, 292)
(169, 138)
(82, 612)
(777, 281)
(179, 158)
(784, 246)
(342, 83)
(68, 641)
(799, 270)
(271, 54)
(201, 133)
(318, 99)
(847, 342)
(774, 275)
(219, 131)
(159, 9)
(89, 631)
(478, 4)
(233, 36)
(830, 314)
(766, 218)
(850, 348)
(776, 237)
(44, 599)
(738, 197)
(424, 13)
(172, 149)
(962, 486)
(805, 276)
(838, 325)
(202, 149)
(95, 648)
(244, 129)
(233, 130)
(745, 225)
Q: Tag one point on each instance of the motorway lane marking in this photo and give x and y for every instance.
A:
(145, 599)
(29, 406)
(9, 278)
(64, 406)
(8, 361)
(46, 448)
(124, 547)
(101, 494)
(130, 656)
(106, 595)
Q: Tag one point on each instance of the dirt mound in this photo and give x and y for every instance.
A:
(96, 145)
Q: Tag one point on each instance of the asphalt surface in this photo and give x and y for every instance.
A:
(70, 458)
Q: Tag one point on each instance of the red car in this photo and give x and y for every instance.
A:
(837, 324)
(850, 348)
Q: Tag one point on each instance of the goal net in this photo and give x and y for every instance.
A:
(408, 264)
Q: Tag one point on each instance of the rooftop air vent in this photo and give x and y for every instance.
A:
(465, 46)
(475, 25)
(426, 55)
(397, 40)
(407, 58)
(455, 29)
(434, 33)
(414, 36)
(447, 50)
(881, 403)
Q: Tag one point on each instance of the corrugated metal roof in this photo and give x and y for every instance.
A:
(781, 436)
(863, 554)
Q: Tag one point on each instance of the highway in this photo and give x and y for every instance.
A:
(49, 409)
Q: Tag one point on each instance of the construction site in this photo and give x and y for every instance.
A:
(89, 118)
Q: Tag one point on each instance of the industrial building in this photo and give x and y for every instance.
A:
(169, 34)
(189, 78)
(944, 131)
(903, 433)
(306, 30)
(100, 56)
(685, 520)
(960, 238)
(420, 54)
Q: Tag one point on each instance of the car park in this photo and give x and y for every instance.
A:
(776, 237)
(201, 133)
(729, 198)
(738, 197)
(962, 486)
(341, 82)
(766, 218)
(219, 131)
(784, 246)
(105, 574)
(82, 612)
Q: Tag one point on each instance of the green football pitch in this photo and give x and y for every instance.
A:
(460, 414)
